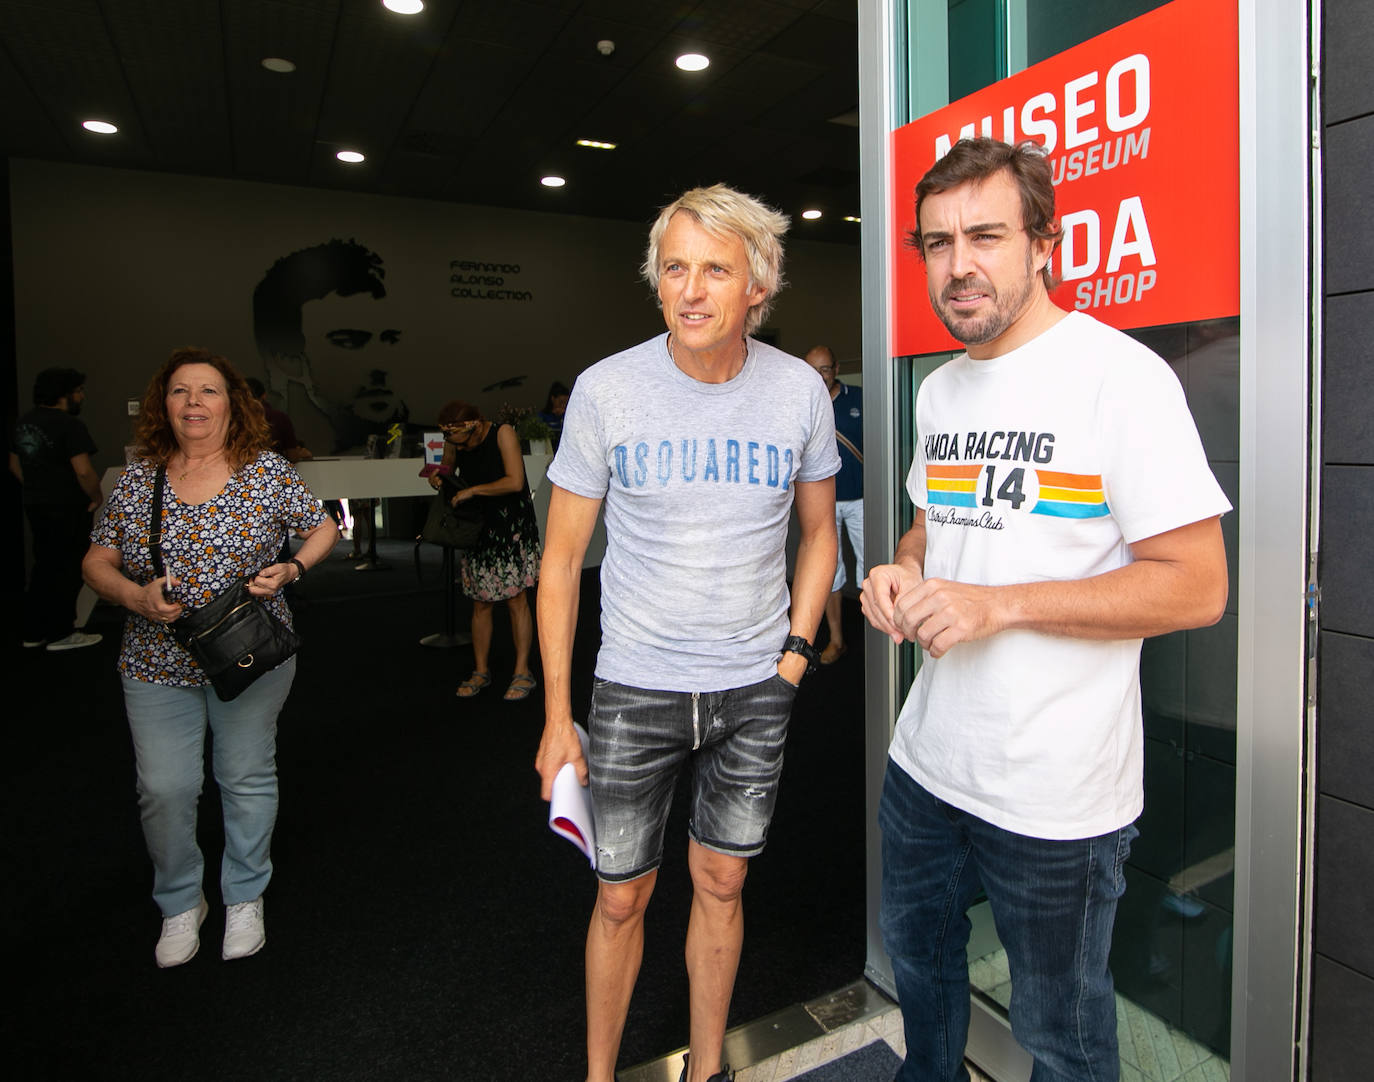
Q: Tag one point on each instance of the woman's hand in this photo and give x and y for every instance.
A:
(434, 481)
(272, 578)
(150, 602)
(461, 495)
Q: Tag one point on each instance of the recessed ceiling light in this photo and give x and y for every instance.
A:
(552, 181)
(404, 7)
(852, 218)
(278, 64)
(811, 215)
(693, 62)
(100, 127)
(353, 157)
(595, 144)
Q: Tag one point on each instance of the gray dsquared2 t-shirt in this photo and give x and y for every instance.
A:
(697, 479)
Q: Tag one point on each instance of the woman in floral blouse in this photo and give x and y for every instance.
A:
(227, 504)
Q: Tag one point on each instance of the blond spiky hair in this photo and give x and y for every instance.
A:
(721, 210)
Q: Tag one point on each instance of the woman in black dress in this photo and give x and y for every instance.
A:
(504, 563)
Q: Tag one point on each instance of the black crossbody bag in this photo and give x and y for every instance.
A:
(233, 637)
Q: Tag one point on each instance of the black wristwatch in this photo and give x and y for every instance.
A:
(300, 569)
(795, 644)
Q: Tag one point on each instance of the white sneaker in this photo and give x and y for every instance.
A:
(75, 641)
(180, 937)
(244, 931)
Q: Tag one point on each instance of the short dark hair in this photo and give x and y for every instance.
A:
(255, 385)
(975, 160)
(558, 388)
(339, 266)
(53, 384)
(457, 412)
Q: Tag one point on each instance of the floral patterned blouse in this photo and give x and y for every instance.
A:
(208, 546)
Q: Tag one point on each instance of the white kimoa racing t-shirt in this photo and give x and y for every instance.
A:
(1045, 464)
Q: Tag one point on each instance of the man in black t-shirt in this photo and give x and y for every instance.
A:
(51, 456)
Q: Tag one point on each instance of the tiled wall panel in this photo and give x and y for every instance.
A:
(1342, 1001)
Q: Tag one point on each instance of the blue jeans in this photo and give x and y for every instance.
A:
(168, 726)
(1053, 903)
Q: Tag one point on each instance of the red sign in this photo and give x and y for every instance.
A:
(1141, 125)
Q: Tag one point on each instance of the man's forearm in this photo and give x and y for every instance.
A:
(570, 522)
(815, 568)
(911, 549)
(557, 620)
(87, 478)
(1138, 601)
(1177, 580)
(90, 485)
(811, 579)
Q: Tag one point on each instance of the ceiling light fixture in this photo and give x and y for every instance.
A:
(552, 181)
(595, 144)
(811, 215)
(279, 64)
(353, 157)
(404, 7)
(852, 218)
(100, 127)
(693, 62)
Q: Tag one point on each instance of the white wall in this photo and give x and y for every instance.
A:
(114, 268)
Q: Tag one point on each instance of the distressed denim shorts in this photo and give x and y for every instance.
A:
(640, 739)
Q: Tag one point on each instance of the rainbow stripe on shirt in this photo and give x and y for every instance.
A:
(1071, 495)
(1062, 495)
(954, 486)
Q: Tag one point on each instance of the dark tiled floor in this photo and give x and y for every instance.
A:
(422, 921)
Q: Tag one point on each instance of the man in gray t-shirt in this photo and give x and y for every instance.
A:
(699, 442)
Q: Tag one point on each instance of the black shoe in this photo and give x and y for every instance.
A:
(723, 1075)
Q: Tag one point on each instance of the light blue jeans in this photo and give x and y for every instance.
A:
(168, 726)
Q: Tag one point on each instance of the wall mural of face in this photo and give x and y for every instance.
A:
(351, 346)
(320, 320)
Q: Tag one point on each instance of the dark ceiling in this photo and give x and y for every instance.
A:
(470, 101)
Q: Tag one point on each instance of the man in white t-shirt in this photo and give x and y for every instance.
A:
(1064, 511)
(698, 442)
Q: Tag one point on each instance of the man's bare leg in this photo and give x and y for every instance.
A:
(615, 947)
(715, 934)
(832, 618)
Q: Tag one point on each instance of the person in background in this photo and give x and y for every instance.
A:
(504, 563)
(849, 489)
(51, 458)
(285, 443)
(555, 406)
(228, 502)
(284, 440)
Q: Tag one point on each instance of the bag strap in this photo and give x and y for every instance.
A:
(850, 447)
(155, 523)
